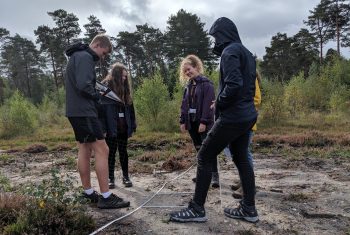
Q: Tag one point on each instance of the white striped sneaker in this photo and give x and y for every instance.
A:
(193, 213)
(244, 212)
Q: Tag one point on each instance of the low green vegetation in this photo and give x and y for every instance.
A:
(49, 207)
(319, 102)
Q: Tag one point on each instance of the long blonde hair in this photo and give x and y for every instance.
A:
(195, 62)
(115, 81)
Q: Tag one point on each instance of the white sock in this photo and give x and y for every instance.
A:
(106, 194)
(89, 191)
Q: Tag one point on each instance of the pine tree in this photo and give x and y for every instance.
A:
(338, 16)
(320, 25)
(185, 35)
(92, 28)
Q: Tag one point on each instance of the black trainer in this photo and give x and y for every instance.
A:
(247, 213)
(111, 202)
(111, 184)
(93, 198)
(127, 182)
(193, 213)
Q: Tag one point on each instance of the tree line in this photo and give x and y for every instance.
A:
(35, 71)
(287, 56)
(37, 68)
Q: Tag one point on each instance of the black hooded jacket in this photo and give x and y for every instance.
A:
(81, 95)
(234, 102)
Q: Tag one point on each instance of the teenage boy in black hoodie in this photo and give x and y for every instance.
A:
(235, 115)
(81, 111)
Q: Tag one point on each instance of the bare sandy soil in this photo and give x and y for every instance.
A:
(307, 196)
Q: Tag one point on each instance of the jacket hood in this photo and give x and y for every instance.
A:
(201, 79)
(224, 31)
(79, 46)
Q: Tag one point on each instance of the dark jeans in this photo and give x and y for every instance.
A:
(236, 135)
(118, 143)
(250, 154)
(198, 139)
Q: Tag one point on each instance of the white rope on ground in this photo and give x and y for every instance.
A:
(218, 164)
(164, 206)
(142, 205)
(171, 193)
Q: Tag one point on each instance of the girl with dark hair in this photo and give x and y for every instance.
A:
(118, 121)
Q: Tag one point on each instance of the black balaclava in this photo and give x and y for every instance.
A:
(225, 32)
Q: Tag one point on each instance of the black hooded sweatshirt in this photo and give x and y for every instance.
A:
(81, 95)
(234, 102)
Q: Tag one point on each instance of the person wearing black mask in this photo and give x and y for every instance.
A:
(235, 115)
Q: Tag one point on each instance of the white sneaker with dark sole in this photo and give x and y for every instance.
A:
(247, 213)
(193, 213)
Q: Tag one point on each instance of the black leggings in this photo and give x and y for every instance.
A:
(236, 135)
(198, 139)
(118, 143)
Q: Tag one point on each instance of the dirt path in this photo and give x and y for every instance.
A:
(308, 196)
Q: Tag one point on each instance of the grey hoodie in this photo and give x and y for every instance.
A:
(81, 95)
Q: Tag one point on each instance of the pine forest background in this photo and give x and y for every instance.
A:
(302, 85)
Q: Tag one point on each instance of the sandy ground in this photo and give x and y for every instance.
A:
(308, 196)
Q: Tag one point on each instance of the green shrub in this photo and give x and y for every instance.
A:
(153, 105)
(272, 108)
(214, 76)
(317, 90)
(18, 117)
(4, 183)
(52, 207)
(293, 95)
(339, 72)
(55, 189)
(60, 99)
(340, 100)
(49, 111)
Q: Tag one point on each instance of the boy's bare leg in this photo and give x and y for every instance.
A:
(101, 163)
(84, 155)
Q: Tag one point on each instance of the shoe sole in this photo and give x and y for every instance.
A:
(249, 219)
(114, 207)
(128, 185)
(237, 196)
(215, 185)
(111, 186)
(198, 220)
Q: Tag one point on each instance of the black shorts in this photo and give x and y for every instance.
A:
(86, 129)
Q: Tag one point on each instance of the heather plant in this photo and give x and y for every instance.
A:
(52, 207)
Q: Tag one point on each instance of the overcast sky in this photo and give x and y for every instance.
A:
(257, 20)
